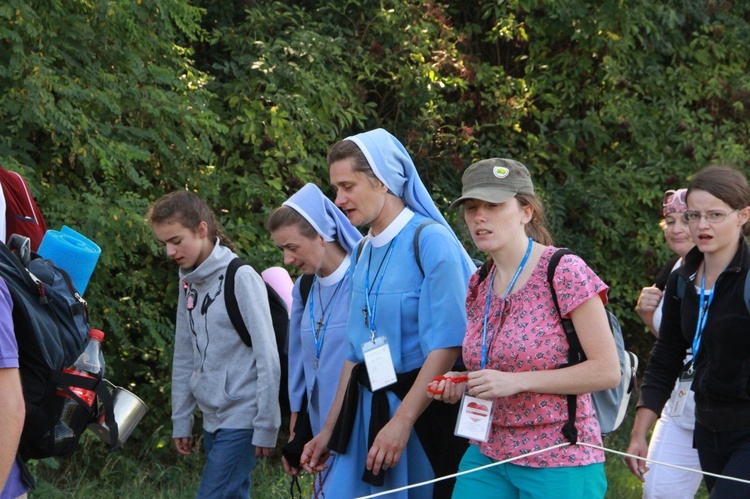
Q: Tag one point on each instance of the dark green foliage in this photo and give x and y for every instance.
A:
(103, 112)
(105, 106)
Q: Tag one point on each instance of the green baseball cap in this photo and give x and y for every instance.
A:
(494, 180)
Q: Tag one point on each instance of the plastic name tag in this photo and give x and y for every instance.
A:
(379, 363)
(474, 418)
(686, 381)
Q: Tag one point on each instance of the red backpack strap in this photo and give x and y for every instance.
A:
(22, 215)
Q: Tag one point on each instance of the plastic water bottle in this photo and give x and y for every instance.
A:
(73, 417)
(89, 365)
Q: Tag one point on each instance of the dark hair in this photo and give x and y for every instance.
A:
(285, 216)
(725, 183)
(347, 149)
(537, 226)
(189, 210)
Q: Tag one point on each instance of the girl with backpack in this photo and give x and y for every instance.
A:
(514, 395)
(235, 387)
(706, 310)
(405, 327)
(317, 238)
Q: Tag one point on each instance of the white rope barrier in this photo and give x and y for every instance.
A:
(498, 463)
(446, 477)
(693, 470)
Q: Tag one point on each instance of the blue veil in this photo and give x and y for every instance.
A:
(393, 166)
(325, 217)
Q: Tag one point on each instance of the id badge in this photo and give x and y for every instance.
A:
(683, 389)
(474, 418)
(379, 363)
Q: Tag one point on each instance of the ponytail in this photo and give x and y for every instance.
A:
(189, 210)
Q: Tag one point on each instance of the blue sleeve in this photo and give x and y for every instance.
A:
(296, 382)
(351, 355)
(442, 300)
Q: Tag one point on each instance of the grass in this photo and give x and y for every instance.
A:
(153, 470)
(622, 484)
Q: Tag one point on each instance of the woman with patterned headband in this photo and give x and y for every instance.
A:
(706, 310)
(672, 439)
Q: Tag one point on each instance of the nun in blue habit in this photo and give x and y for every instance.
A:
(317, 238)
(392, 437)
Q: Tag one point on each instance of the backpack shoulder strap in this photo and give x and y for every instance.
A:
(305, 285)
(681, 288)
(415, 243)
(747, 291)
(553, 262)
(230, 301)
(361, 247)
(575, 351)
(484, 271)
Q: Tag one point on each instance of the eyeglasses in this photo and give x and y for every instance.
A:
(669, 196)
(714, 217)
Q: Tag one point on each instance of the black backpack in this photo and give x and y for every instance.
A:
(51, 325)
(610, 405)
(279, 318)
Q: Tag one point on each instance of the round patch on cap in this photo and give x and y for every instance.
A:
(500, 172)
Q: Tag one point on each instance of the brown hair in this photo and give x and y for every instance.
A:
(189, 210)
(537, 226)
(347, 149)
(285, 216)
(725, 183)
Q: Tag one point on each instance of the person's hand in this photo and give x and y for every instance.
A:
(316, 453)
(388, 445)
(183, 445)
(489, 384)
(261, 452)
(648, 300)
(288, 468)
(638, 447)
(448, 388)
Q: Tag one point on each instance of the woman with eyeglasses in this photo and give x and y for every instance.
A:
(707, 311)
(672, 439)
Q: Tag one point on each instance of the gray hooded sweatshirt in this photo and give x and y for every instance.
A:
(233, 385)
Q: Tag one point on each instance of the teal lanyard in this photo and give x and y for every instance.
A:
(703, 306)
(319, 334)
(507, 291)
(371, 307)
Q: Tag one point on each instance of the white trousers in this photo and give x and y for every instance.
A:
(673, 444)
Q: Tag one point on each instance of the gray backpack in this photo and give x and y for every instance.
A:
(611, 405)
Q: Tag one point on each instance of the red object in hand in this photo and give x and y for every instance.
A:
(454, 379)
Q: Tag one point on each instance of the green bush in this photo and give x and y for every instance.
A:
(106, 106)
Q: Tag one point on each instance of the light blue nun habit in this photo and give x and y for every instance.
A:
(418, 312)
(325, 217)
(393, 166)
(329, 298)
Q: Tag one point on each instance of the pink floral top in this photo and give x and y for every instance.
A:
(525, 334)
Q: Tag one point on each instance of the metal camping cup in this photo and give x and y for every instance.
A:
(128, 412)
